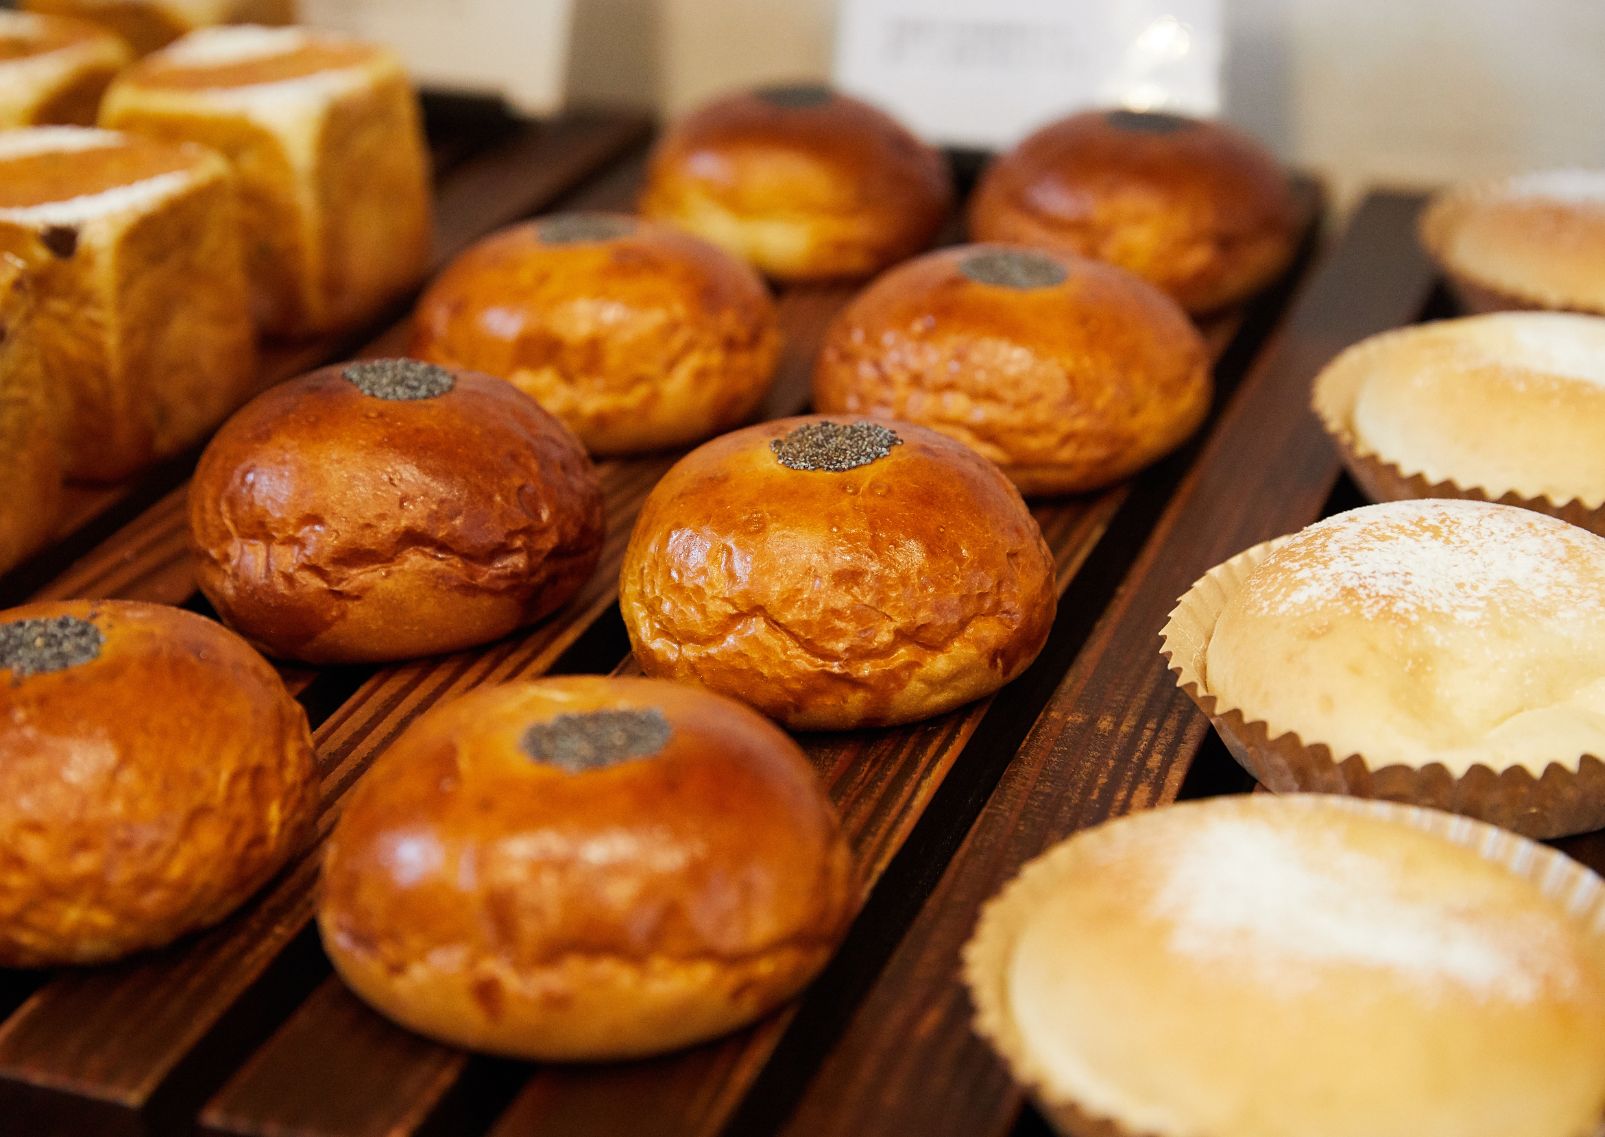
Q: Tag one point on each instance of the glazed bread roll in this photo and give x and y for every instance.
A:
(638, 337)
(389, 509)
(325, 137)
(1197, 208)
(1418, 632)
(1258, 966)
(149, 24)
(837, 573)
(143, 317)
(31, 425)
(154, 773)
(804, 183)
(585, 869)
(1067, 373)
(1512, 402)
(1532, 241)
(54, 69)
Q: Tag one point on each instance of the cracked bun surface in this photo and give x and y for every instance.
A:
(637, 336)
(585, 869)
(391, 509)
(1195, 207)
(802, 182)
(837, 573)
(1069, 374)
(154, 773)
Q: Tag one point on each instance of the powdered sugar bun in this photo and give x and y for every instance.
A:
(1258, 966)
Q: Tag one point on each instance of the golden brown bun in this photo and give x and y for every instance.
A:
(143, 316)
(804, 183)
(331, 525)
(1532, 241)
(31, 425)
(666, 871)
(1259, 966)
(149, 24)
(1196, 207)
(151, 781)
(889, 591)
(1067, 373)
(325, 138)
(53, 69)
(637, 336)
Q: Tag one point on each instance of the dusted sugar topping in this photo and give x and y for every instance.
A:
(1466, 560)
(1286, 900)
(56, 140)
(1148, 122)
(399, 380)
(33, 647)
(797, 96)
(1013, 268)
(221, 47)
(578, 228)
(834, 446)
(596, 740)
(1580, 187)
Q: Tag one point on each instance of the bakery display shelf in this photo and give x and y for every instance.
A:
(245, 1030)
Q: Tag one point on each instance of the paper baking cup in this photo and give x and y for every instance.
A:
(1336, 389)
(1475, 294)
(990, 950)
(1562, 801)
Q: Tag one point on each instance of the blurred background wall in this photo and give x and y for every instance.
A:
(1363, 91)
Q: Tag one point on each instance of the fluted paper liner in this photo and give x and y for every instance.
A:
(1334, 395)
(990, 951)
(1563, 800)
(1476, 294)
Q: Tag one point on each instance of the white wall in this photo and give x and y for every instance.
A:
(1399, 91)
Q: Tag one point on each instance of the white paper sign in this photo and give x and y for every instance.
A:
(515, 48)
(982, 73)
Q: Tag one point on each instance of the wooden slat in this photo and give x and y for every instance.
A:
(1116, 735)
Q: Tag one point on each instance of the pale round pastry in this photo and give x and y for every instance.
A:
(53, 69)
(1259, 966)
(149, 24)
(1536, 240)
(1461, 633)
(1510, 402)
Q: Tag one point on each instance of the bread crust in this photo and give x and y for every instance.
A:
(31, 424)
(53, 69)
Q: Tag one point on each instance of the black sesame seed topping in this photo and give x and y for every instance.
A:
(400, 380)
(1013, 268)
(596, 740)
(834, 446)
(31, 647)
(576, 228)
(1149, 122)
(796, 96)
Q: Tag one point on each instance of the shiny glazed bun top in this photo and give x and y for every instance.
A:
(636, 335)
(1067, 373)
(154, 773)
(585, 868)
(1196, 207)
(837, 573)
(803, 182)
(390, 508)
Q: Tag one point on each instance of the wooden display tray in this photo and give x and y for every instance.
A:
(244, 1030)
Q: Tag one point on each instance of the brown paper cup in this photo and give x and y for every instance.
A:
(1337, 388)
(1561, 801)
(988, 954)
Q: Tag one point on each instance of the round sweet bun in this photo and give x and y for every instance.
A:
(54, 69)
(803, 182)
(837, 573)
(637, 336)
(1256, 966)
(1197, 208)
(585, 869)
(1460, 633)
(1512, 402)
(154, 773)
(390, 509)
(1067, 373)
(32, 422)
